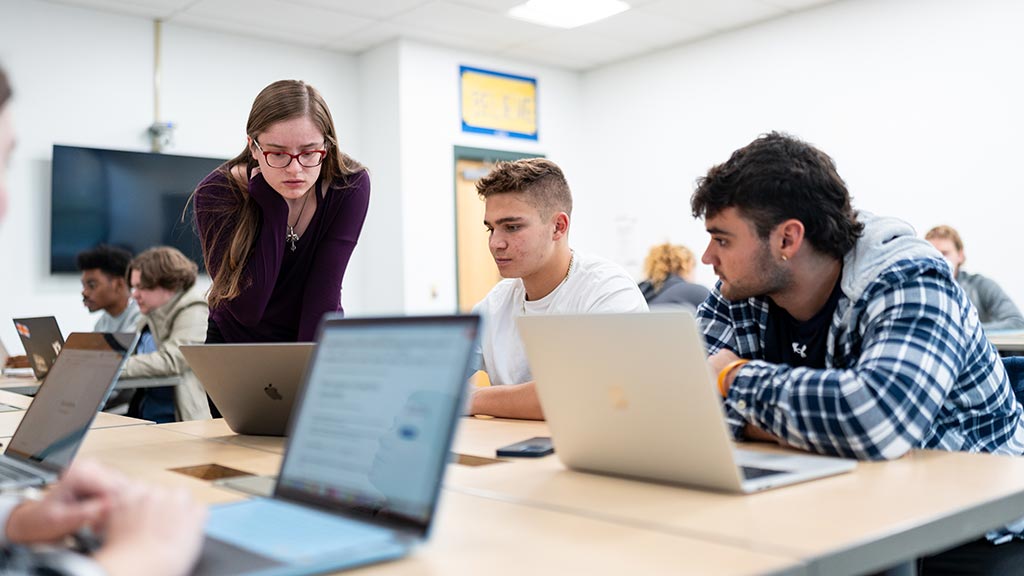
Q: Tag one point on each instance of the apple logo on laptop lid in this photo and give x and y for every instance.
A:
(273, 393)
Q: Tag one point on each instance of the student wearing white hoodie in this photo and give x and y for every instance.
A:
(841, 333)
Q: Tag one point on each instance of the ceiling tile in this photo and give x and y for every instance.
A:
(377, 9)
(497, 6)
(146, 8)
(578, 45)
(637, 26)
(797, 4)
(279, 19)
(470, 24)
(718, 14)
(366, 38)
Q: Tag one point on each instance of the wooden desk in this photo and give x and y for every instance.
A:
(1007, 340)
(217, 429)
(9, 422)
(31, 385)
(880, 515)
(472, 534)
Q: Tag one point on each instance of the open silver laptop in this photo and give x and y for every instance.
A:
(42, 340)
(55, 423)
(253, 385)
(365, 456)
(632, 395)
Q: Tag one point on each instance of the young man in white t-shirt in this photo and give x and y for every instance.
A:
(527, 208)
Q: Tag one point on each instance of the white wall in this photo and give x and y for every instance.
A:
(918, 101)
(431, 128)
(84, 77)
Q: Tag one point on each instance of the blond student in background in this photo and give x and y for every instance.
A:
(669, 270)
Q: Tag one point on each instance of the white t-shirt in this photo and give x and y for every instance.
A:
(594, 285)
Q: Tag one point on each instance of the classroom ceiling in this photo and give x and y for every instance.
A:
(353, 26)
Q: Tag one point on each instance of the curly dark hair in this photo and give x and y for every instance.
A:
(778, 177)
(111, 260)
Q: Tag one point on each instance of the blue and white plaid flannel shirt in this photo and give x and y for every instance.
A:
(908, 366)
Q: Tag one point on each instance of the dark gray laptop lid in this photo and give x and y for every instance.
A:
(66, 404)
(42, 340)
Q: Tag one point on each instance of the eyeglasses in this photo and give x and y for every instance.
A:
(309, 158)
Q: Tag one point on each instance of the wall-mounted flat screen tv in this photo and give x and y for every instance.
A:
(130, 199)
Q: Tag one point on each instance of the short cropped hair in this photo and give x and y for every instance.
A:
(110, 260)
(778, 177)
(164, 267)
(944, 232)
(539, 181)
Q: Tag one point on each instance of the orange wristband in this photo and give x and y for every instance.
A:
(725, 374)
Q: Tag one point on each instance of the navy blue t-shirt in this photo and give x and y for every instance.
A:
(789, 341)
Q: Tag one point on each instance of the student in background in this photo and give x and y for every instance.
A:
(174, 312)
(144, 525)
(278, 222)
(669, 270)
(996, 310)
(105, 288)
(842, 333)
(527, 209)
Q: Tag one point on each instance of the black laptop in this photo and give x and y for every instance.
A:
(42, 341)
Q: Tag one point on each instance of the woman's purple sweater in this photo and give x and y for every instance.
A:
(284, 293)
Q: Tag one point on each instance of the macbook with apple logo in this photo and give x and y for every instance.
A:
(253, 385)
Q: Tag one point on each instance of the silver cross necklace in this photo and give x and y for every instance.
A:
(291, 237)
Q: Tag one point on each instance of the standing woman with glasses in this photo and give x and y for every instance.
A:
(278, 222)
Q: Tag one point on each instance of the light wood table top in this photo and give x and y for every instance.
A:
(1007, 341)
(475, 536)
(472, 534)
(151, 452)
(881, 514)
(30, 385)
(9, 422)
(217, 429)
(14, 399)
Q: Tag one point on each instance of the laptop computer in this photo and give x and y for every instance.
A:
(42, 341)
(366, 452)
(633, 395)
(55, 423)
(253, 385)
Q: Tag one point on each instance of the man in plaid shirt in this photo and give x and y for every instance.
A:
(840, 332)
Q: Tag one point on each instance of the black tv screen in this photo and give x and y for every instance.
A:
(133, 200)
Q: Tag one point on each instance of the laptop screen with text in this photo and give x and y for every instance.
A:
(377, 415)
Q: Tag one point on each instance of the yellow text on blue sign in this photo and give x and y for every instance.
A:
(499, 104)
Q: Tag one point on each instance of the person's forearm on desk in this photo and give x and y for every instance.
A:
(511, 401)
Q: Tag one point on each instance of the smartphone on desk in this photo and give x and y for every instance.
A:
(532, 448)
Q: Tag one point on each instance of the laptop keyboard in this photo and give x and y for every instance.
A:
(10, 474)
(751, 472)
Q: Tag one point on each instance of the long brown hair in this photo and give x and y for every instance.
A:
(280, 101)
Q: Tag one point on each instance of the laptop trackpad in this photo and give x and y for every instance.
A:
(289, 533)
